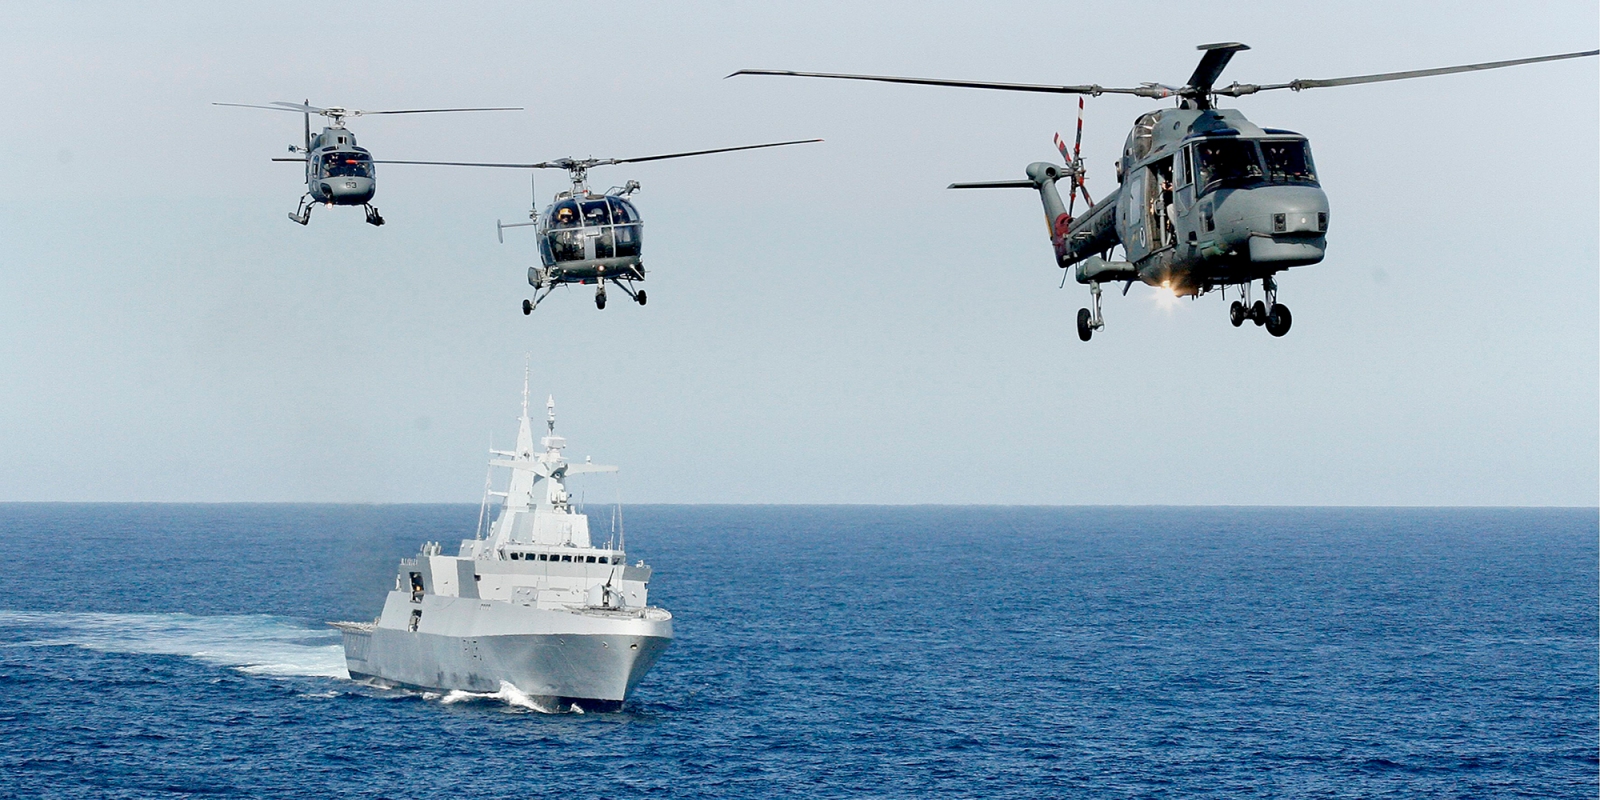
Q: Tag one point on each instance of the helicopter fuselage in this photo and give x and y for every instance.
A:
(338, 172)
(588, 238)
(1205, 199)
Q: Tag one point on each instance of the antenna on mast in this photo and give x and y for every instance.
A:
(525, 370)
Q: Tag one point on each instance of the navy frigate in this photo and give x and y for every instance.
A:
(532, 608)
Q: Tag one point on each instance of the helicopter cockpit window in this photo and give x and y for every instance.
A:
(621, 211)
(1288, 161)
(595, 213)
(1142, 136)
(564, 215)
(347, 165)
(1227, 162)
(627, 233)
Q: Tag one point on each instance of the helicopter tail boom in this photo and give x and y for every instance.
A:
(1074, 239)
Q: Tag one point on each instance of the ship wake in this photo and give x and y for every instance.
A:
(257, 644)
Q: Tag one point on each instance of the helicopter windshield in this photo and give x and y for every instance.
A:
(564, 215)
(627, 231)
(622, 211)
(595, 213)
(1288, 161)
(1226, 163)
(347, 165)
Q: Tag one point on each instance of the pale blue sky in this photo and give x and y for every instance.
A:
(826, 323)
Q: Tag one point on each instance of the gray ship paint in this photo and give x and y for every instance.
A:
(534, 605)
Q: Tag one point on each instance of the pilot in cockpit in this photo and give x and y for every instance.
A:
(565, 216)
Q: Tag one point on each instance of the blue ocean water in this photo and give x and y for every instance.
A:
(173, 650)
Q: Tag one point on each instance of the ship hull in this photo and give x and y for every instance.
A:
(593, 657)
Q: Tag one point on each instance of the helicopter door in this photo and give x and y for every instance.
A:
(1134, 242)
(1159, 202)
(1183, 195)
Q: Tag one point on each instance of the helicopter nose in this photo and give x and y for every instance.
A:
(348, 189)
(1290, 224)
(1293, 211)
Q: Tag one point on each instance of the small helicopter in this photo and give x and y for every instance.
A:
(338, 172)
(587, 238)
(1205, 198)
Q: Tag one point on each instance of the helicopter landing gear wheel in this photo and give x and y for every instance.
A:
(600, 297)
(1089, 320)
(1258, 313)
(527, 307)
(1236, 313)
(1279, 319)
(373, 217)
(639, 297)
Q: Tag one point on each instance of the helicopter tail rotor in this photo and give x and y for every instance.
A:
(1074, 161)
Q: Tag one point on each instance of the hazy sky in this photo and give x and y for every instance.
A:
(826, 323)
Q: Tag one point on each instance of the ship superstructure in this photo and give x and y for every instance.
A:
(534, 604)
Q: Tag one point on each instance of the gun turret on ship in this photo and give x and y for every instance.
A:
(534, 604)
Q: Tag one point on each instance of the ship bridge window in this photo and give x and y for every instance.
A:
(543, 557)
(590, 559)
(516, 556)
(566, 558)
(1227, 163)
(1288, 161)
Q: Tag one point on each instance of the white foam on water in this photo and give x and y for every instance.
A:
(508, 694)
(257, 644)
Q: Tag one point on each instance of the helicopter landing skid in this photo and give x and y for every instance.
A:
(373, 217)
(302, 214)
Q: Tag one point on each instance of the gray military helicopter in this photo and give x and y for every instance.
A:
(1205, 198)
(584, 237)
(338, 171)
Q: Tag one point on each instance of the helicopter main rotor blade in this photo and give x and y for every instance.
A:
(540, 165)
(700, 152)
(994, 185)
(1240, 89)
(585, 163)
(303, 108)
(1212, 64)
(295, 107)
(1089, 89)
(434, 110)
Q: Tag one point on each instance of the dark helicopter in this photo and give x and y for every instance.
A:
(338, 171)
(1205, 198)
(587, 238)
